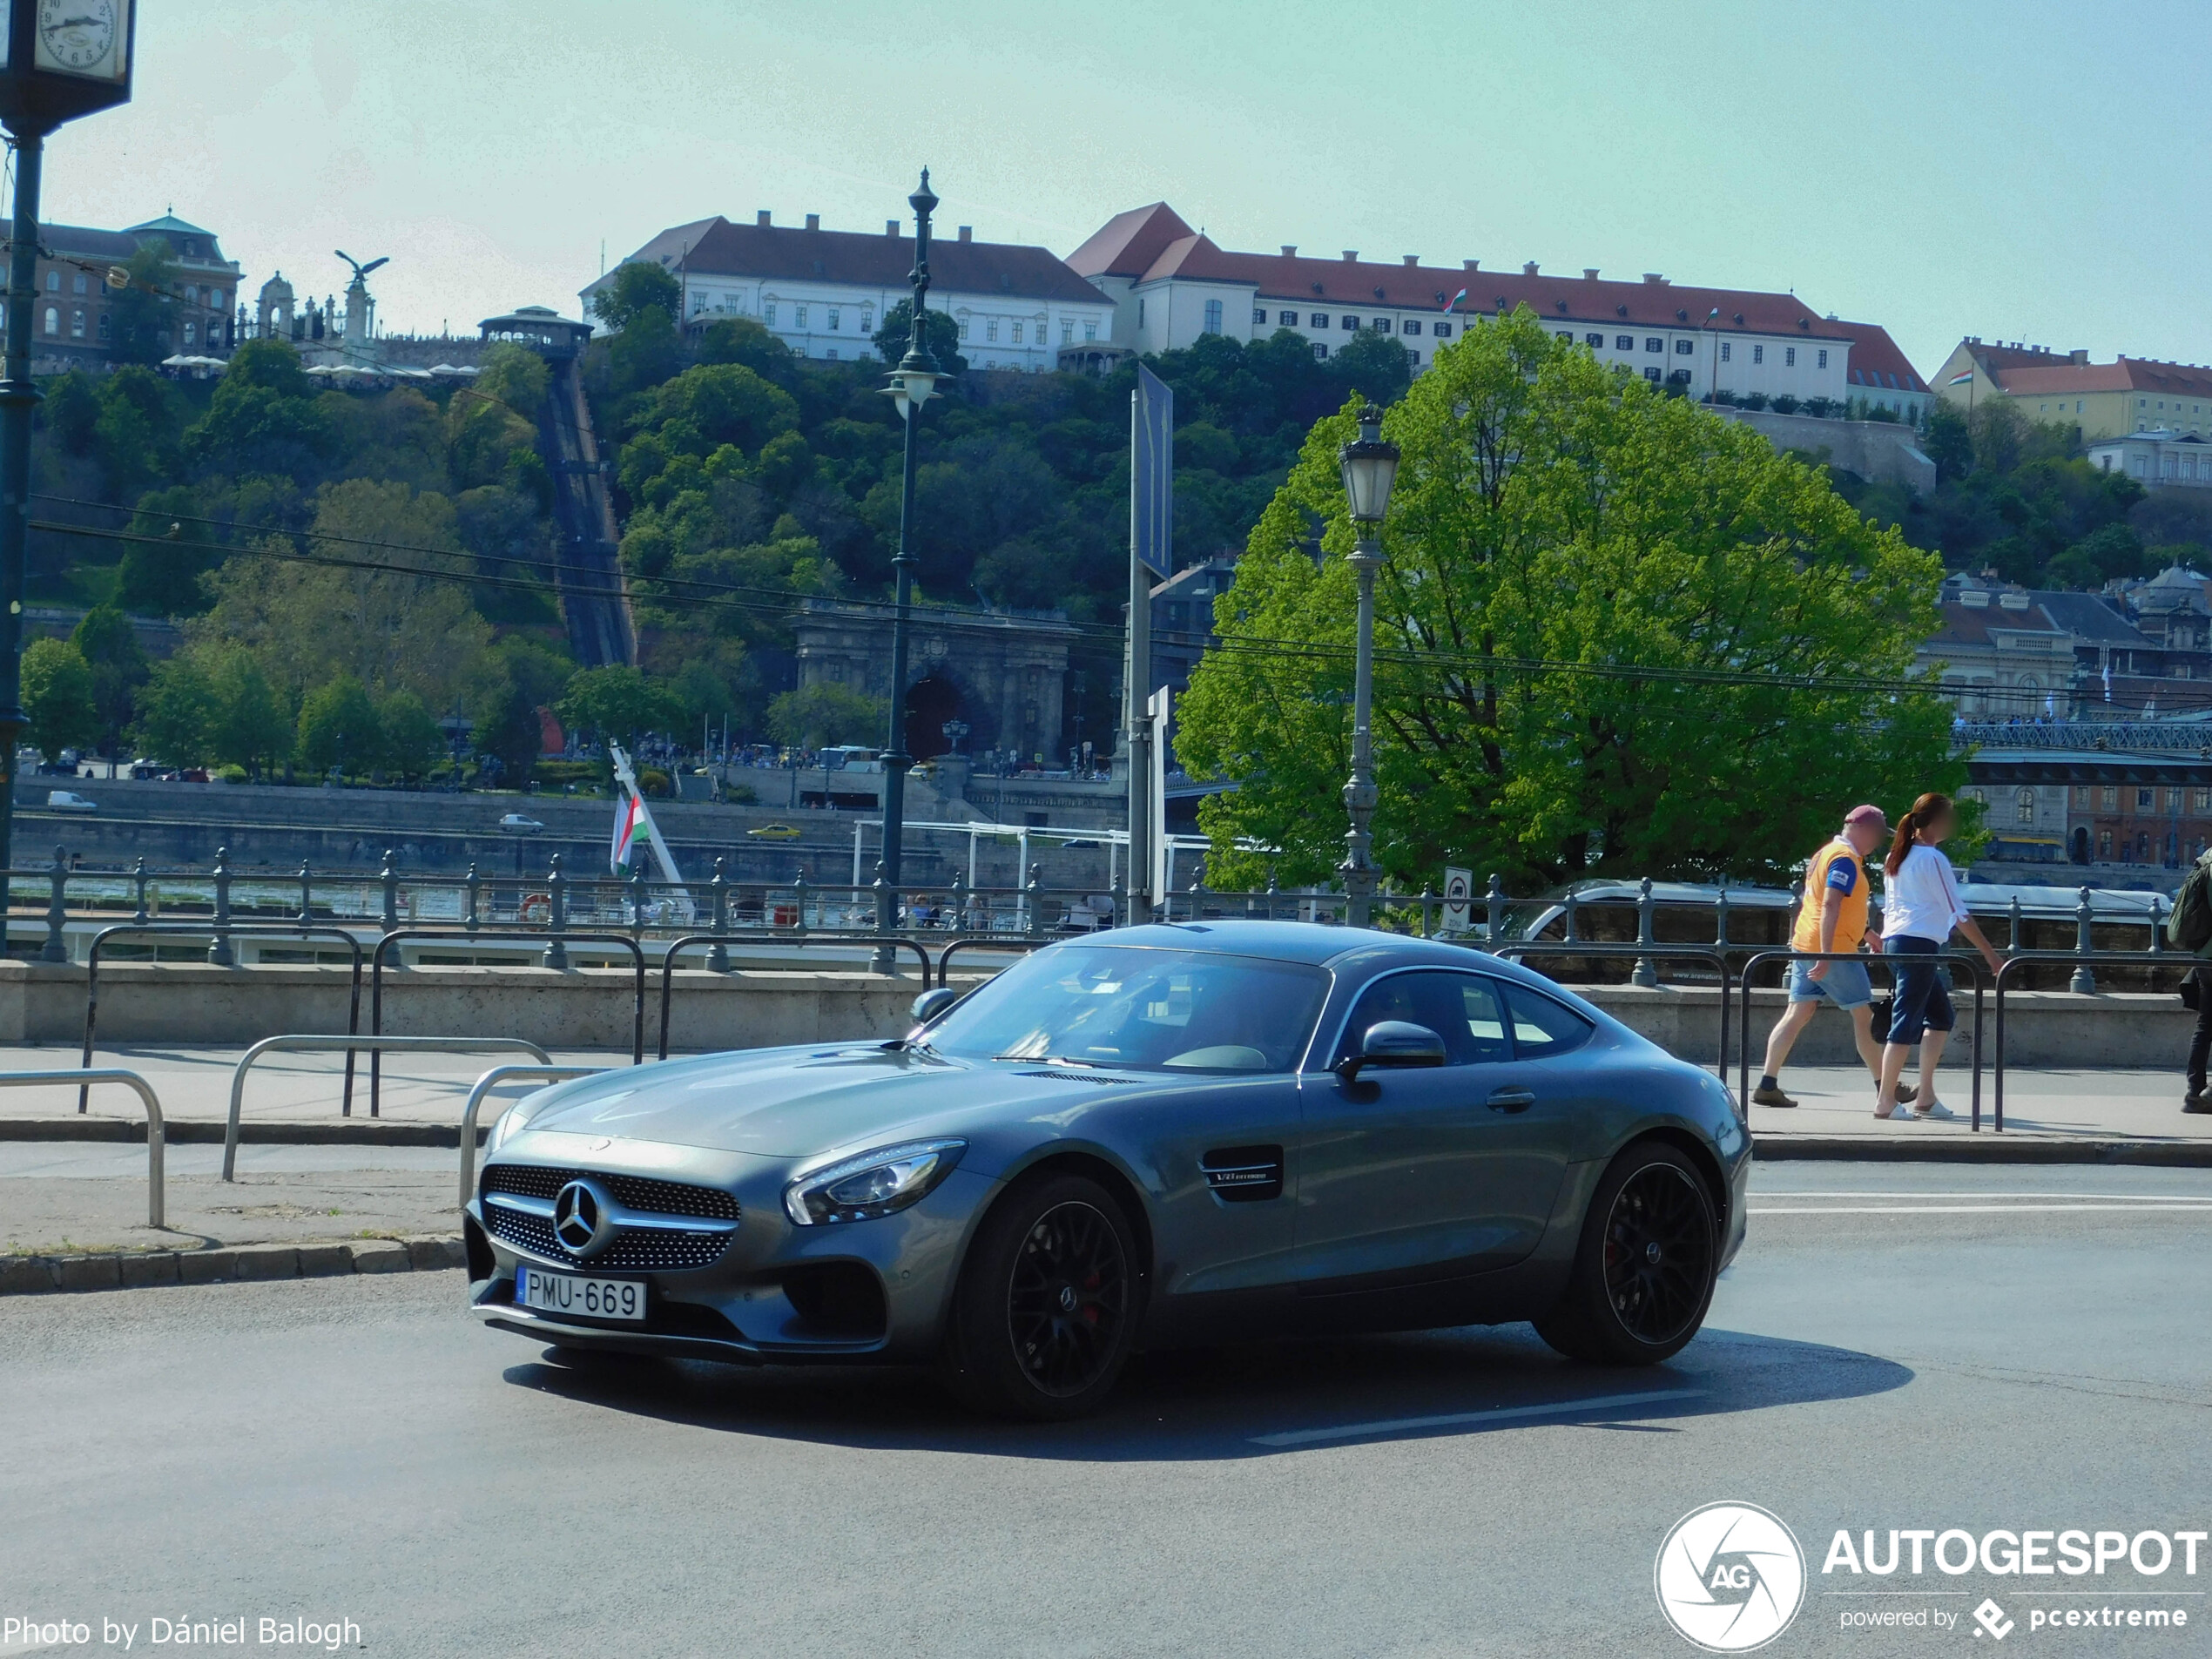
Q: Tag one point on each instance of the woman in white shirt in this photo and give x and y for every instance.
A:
(1920, 906)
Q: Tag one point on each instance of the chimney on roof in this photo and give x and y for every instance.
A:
(761, 218)
(1589, 273)
(813, 221)
(1528, 269)
(1351, 256)
(1654, 279)
(1410, 259)
(1470, 265)
(2077, 357)
(967, 233)
(890, 227)
(1290, 250)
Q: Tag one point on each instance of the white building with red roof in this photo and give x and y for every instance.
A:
(2112, 400)
(1171, 285)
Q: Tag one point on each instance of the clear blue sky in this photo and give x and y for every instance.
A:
(2016, 170)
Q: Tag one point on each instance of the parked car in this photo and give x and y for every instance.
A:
(773, 833)
(1164, 1136)
(520, 824)
(63, 801)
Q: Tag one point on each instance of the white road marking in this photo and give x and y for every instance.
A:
(1968, 1209)
(1916, 1192)
(1459, 1419)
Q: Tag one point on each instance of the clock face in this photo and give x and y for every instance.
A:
(82, 36)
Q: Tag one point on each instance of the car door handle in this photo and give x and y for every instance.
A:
(1512, 1099)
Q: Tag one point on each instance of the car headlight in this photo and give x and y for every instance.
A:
(874, 1183)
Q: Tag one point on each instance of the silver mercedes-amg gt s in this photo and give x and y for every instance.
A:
(1166, 1134)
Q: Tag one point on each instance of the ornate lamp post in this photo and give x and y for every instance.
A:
(1370, 466)
(913, 383)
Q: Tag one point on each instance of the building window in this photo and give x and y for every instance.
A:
(2142, 801)
(1348, 323)
(1067, 332)
(1683, 348)
(1091, 331)
(103, 325)
(799, 318)
(1017, 333)
(1320, 319)
(1259, 318)
(77, 283)
(990, 328)
(2202, 800)
(1595, 342)
(1444, 331)
(1823, 362)
(1651, 374)
(830, 353)
(1286, 318)
(1652, 342)
(963, 328)
(768, 312)
(833, 319)
(1213, 316)
(1382, 327)
(2024, 805)
(1319, 351)
(1413, 358)
(1759, 354)
(1412, 326)
(1566, 335)
(1724, 351)
(54, 285)
(77, 325)
(53, 320)
(2104, 843)
(1788, 357)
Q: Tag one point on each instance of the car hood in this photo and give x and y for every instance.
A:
(797, 1102)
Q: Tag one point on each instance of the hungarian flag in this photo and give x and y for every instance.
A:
(1455, 299)
(630, 819)
(1960, 380)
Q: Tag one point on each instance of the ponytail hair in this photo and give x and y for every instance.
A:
(1929, 809)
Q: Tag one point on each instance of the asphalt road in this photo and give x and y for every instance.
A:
(1909, 1346)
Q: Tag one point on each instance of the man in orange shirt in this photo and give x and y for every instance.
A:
(1832, 917)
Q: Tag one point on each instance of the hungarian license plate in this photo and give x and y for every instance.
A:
(593, 1298)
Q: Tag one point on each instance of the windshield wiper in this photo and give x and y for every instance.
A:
(1050, 1060)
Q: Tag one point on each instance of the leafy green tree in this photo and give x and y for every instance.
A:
(338, 728)
(71, 411)
(1615, 634)
(414, 743)
(744, 341)
(504, 715)
(814, 717)
(1373, 366)
(637, 286)
(2111, 551)
(941, 334)
(57, 696)
(620, 704)
(141, 313)
(110, 647)
(247, 724)
(263, 416)
(176, 709)
(134, 434)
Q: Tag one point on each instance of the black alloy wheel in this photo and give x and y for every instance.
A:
(1047, 1307)
(1643, 1272)
(1067, 1298)
(1658, 1253)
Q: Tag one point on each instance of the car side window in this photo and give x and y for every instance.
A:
(1462, 1008)
(1542, 1027)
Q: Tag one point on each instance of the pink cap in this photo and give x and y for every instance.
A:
(1868, 813)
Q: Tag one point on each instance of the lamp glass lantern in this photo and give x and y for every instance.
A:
(1370, 468)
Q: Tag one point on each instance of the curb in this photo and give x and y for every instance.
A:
(344, 1131)
(127, 1270)
(1986, 1148)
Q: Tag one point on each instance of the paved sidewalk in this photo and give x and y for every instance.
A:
(1838, 1101)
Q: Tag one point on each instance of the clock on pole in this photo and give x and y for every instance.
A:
(60, 59)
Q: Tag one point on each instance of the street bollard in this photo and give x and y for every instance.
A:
(637, 900)
(557, 916)
(139, 882)
(1494, 900)
(2083, 983)
(1720, 934)
(219, 953)
(388, 878)
(1426, 896)
(1120, 902)
(2157, 933)
(472, 918)
(879, 893)
(1647, 971)
(1574, 910)
(2012, 945)
(1274, 892)
(1033, 901)
(798, 905)
(57, 946)
(717, 958)
(306, 895)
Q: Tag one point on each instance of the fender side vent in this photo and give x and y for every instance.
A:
(1244, 1174)
(1059, 1075)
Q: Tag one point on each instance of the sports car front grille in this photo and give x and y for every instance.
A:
(636, 1250)
(631, 1191)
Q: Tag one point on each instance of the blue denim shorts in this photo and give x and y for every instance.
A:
(1844, 984)
(1920, 1004)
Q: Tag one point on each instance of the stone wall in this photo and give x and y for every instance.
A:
(1880, 450)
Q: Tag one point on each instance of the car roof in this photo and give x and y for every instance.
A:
(1319, 943)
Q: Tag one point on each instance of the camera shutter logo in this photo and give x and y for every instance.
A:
(1729, 1578)
(1992, 1618)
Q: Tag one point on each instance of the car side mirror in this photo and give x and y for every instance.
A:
(1390, 1044)
(930, 1004)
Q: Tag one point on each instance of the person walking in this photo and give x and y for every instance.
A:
(1921, 909)
(2189, 927)
(1832, 916)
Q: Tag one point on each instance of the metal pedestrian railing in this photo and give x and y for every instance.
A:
(1648, 955)
(157, 1131)
(483, 1086)
(309, 1042)
(718, 962)
(2081, 961)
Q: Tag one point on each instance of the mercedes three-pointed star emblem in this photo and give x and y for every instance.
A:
(582, 1218)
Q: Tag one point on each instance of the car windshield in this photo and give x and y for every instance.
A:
(1146, 1010)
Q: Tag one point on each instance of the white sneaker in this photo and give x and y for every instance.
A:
(1935, 1109)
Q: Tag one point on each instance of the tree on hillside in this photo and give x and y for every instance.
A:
(141, 315)
(1615, 634)
(637, 286)
(265, 417)
(247, 724)
(1373, 366)
(941, 334)
(57, 698)
(109, 646)
(620, 704)
(175, 710)
(815, 716)
(338, 729)
(413, 742)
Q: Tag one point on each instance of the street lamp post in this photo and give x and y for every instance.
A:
(912, 382)
(1370, 466)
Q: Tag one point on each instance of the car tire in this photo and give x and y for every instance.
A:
(1645, 1266)
(1045, 1311)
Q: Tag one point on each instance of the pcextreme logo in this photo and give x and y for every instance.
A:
(1729, 1578)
